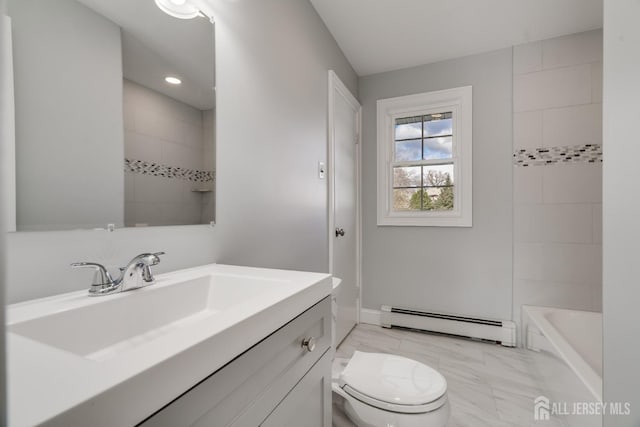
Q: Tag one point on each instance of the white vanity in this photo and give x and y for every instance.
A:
(207, 346)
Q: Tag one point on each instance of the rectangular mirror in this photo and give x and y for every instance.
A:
(115, 115)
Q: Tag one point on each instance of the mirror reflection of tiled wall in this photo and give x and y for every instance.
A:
(168, 160)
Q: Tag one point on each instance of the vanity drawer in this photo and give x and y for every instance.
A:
(246, 390)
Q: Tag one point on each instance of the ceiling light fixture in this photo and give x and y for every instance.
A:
(180, 9)
(172, 80)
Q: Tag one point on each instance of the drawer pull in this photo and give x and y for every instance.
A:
(309, 344)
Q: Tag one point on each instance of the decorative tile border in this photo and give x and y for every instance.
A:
(156, 169)
(587, 153)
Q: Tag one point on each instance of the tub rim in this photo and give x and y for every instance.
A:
(561, 348)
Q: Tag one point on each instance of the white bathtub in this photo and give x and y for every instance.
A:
(567, 354)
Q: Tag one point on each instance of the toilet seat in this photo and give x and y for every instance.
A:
(402, 409)
(393, 383)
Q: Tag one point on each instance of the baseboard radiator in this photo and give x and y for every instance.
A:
(499, 331)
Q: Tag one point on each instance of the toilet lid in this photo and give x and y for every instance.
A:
(397, 383)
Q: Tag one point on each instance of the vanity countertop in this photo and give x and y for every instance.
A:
(66, 382)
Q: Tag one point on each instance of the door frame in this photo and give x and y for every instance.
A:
(336, 85)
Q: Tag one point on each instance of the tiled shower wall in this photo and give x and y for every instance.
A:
(557, 127)
(167, 150)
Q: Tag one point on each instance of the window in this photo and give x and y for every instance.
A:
(424, 159)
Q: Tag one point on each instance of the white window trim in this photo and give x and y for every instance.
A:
(459, 101)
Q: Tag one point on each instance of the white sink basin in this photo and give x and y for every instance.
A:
(114, 360)
(121, 322)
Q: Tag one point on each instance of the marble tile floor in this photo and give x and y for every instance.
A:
(488, 385)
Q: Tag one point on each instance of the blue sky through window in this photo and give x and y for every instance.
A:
(437, 148)
(435, 143)
(438, 127)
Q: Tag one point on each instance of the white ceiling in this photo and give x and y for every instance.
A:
(384, 35)
(155, 45)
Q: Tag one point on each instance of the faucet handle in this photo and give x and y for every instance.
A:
(101, 279)
(147, 259)
(151, 260)
(157, 255)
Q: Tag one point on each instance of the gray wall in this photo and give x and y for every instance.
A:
(455, 270)
(73, 55)
(621, 208)
(273, 59)
(272, 62)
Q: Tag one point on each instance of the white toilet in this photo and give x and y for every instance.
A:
(384, 390)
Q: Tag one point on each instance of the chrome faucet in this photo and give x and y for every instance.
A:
(137, 274)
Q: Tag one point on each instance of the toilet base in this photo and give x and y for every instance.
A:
(363, 415)
(338, 416)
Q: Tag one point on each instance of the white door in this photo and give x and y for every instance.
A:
(344, 230)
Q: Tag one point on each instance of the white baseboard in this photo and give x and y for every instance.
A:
(370, 317)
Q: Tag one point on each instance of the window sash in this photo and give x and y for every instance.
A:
(423, 186)
(449, 111)
(425, 213)
(433, 162)
(426, 137)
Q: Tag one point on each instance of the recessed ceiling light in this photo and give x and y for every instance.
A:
(180, 9)
(172, 80)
